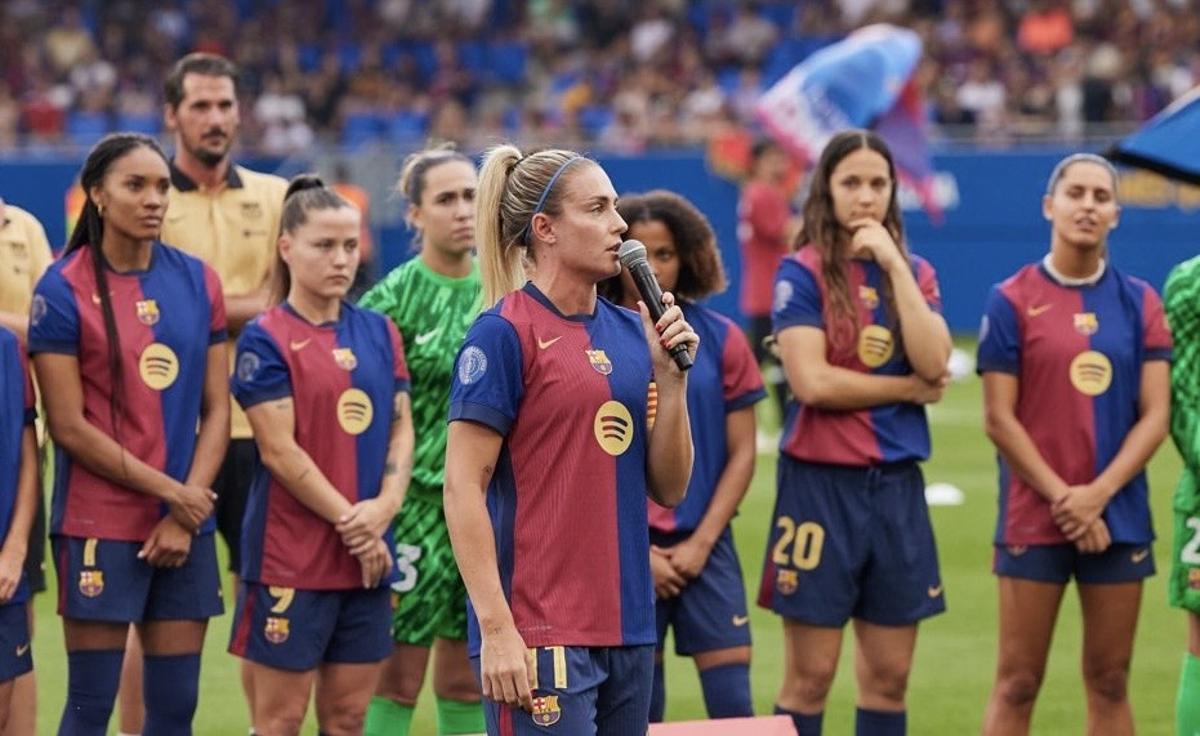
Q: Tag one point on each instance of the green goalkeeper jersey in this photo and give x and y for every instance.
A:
(1181, 299)
(433, 313)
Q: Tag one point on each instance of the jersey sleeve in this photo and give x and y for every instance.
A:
(54, 316)
(927, 283)
(1181, 299)
(260, 372)
(741, 380)
(999, 336)
(797, 298)
(1156, 333)
(218, 330)
(488, 379)
(399, 363)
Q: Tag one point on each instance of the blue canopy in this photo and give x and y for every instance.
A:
(1168, 144)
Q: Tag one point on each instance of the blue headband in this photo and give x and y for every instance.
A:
(545, 193)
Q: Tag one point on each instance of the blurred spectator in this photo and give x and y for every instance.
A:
(625, 73)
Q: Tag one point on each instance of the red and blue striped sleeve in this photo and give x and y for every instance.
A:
(999, 336)
(797, 297)
(741, 380)
(399, 362)
(54, 316)
(260, 372)
(927, 283)
(218, 330)
(1157, 341)
(488, 380)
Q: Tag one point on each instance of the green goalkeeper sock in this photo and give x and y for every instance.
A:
(457, 717)
(386, 717)
(1187, 702)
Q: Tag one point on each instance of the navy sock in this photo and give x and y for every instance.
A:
(727, 691)
(880, 722)
(170, 687)
(658, 695)
(806, 725)
(92, 680)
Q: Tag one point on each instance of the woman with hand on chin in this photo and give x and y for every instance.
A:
(864, 348)
(325, 386)
(551, 455)
(1075, 358)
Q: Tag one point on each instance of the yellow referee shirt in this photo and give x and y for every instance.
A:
(24, 257)
(232, 228)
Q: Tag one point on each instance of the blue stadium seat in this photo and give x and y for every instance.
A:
(595, 118)
(85, 128)
(506, 61)
(350, 56)
(782, 14)
(361, 128)
(473, 55)
(422, 52)
(308, 56)
(407, 127)
(136, 123)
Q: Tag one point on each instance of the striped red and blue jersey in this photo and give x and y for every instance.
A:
(724, 378)
(16, 415)
(342, 378)
(567, 499)
(1078, 354)
(167, 316)
(887, 433)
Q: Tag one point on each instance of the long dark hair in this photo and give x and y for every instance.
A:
(822, 231)
(305, 192)
(89, 233)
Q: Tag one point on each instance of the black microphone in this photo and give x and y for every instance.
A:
(633, 257)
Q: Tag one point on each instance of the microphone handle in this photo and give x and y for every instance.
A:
(651, 294)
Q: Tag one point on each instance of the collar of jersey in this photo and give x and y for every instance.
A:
(134, 273)
(1084, 283)
(183, 183)
(442, 278)
(544, 300)
(287, 307)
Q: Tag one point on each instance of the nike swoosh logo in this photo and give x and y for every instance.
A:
(934, 591)
(1035, 311)
(426, 337)
(543, 344)
(298, 345)
(741, 620)
(22, 649)
(1140, 555)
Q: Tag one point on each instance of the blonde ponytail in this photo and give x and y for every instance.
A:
(513, 188)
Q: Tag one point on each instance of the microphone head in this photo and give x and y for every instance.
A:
(631, 252)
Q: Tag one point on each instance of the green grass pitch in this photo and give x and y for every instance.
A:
(955, 652)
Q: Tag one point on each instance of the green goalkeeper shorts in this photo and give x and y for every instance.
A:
(1184, 585)
(429, 599)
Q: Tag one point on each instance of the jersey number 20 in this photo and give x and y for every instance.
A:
(806, 540)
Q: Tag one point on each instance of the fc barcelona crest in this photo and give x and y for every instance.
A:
(600, 361)
(147, 311)
(1086, 323)
(546, 711)
(868, 296)
(345, 358)
(91, 583)
(276, 630)
(787, 581)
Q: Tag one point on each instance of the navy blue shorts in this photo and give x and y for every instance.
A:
(298, 630)
(103, 580)
(1058, 563)
(15, 656)
(710, 613)
(580, 691)
(851, 542)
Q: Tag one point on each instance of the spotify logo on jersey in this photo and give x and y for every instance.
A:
(875, 345)
(1091, 373)
(158, 366)
(613, 427)
(354, 411)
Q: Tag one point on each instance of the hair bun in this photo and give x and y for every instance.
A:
(304, 181)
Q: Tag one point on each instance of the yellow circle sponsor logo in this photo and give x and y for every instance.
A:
(1091, 373)
(354, 411)
(613, 427)
(875, 345)
(158, 366)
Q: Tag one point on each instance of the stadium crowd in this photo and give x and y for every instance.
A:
(610, 73)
